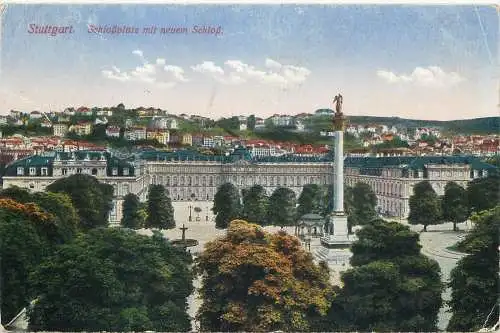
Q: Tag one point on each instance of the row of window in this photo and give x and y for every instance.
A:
(44, 171)
(238, 180)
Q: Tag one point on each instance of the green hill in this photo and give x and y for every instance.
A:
(488, 125)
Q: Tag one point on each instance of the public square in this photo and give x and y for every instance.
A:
(434, 245)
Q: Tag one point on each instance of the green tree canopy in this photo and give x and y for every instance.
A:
(425, 205)
(255, 281)
(392, 287)
(363, 201)
(112, 279)
(23, 244)
(310, 200)
(483, 193)
(474, 281)
(227, 205)
(255, 204)
(455, 204)
(134, 214)
(160, 212)
(58, 204)
(251, 122)
(282, 207)
(92, 199)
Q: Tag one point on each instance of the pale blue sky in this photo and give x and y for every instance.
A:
(432, 62)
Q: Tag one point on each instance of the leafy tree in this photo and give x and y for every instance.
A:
(58, 204)
(16, 193)
(328, 196)
(255, 204)
(66, 220)
(23, 244)
(92, 199)
(310, 200)
(160, 211)
(392, 287)
(363, 202)
(251, 122)
(227, 205)
(134, 215)
(282, 207)
(112, 279)
(474, 281)
(425, 206)
(483, 193)
(454, 204)
(256, 281)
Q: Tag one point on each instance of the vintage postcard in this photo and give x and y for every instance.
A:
(249, 167)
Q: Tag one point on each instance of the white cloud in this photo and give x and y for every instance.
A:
(158, 73)
(432, 76)
(138, 53)
(236, 72)
(208, 67)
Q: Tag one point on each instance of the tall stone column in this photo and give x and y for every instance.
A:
(339, 173)
(338, 219)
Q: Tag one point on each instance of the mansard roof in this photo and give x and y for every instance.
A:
(415, 162)
(47, 160)
(236, 155)
(403, 162)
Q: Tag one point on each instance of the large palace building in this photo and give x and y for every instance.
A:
(191, 176)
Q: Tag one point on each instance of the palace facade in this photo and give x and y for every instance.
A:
(191, 176)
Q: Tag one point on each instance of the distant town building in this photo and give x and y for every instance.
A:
(60, 130)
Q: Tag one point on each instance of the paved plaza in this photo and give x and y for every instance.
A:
(202, 228)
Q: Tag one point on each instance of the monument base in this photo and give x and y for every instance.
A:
(340, 238)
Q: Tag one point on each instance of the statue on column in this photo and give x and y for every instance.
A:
(338, 118)
(338, 100)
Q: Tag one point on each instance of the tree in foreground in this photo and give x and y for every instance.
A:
(483, 193)
(310, 200)
(227, 205)
(474, 281)
(160, 212)
(112, 279)
(425, 205)
(23, 244)
(454, 204)
(391, 287)
(282, 207)
(256, 281)
(362, 201)
(255, 203)
(92, 199)
(134, 214)
(66, 220)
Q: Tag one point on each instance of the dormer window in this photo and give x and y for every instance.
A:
(32, 171)
(20, 171)
(114, 172)
(125, 171)
(45, 172)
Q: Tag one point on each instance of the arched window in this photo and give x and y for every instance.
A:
(94, 171)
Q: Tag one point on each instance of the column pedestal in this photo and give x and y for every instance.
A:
(340, 238)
